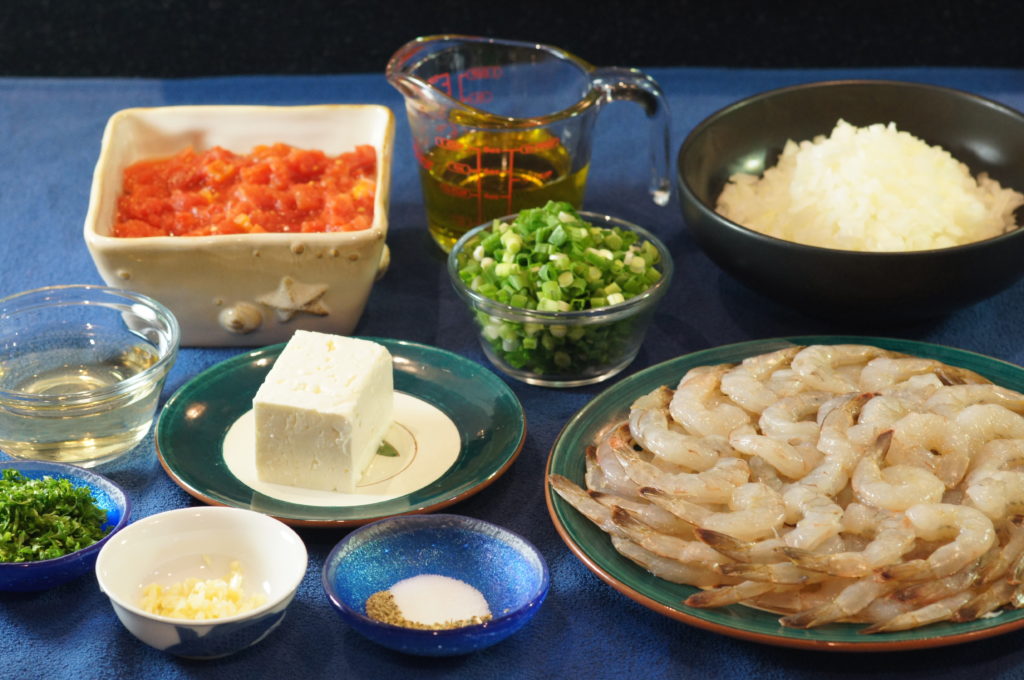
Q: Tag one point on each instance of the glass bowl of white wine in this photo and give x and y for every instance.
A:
(81, 370)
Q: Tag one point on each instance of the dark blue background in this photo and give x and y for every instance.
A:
(50, 132)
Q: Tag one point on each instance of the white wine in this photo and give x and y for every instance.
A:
(70, 426)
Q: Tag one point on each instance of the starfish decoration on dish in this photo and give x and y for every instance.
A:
(291, 297)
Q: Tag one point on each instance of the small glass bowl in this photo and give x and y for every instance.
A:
(583, 347)
(81, 368)
(46, 574)
(507, 570)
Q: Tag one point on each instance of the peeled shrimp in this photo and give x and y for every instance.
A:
(613, 476)
(731, 594)
(792, 419)
(784, 573)
(996, 491)
(650, 514)
(893, 539)
(851, 600)
(699, 405)
(886, 373)
(755, 511)
(952, 399)
(693, 553)
(937, 611)
(896, 487)
(985, 422)
(971, 532)
(765, 551)
(670, 570)
(714, 485)
(650, 425)
(818, 365)
(988, 600)
(933, 442)
(746, 384)
(792, 461)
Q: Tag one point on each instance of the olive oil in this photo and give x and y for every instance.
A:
(483, 175)
(70, 425)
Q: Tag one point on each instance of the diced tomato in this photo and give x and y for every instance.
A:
(274, 188)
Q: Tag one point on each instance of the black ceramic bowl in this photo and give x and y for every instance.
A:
(749, 136)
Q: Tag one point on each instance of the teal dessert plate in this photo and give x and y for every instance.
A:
(200, 446)
(594, 549)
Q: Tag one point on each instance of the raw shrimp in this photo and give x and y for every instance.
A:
(820, 518)
(614, 477)
(699, 405)
(894, 538)
(597, 513)
(785, 573)
(835, 443)
(650, 426)
(755, 511)
(764, 551)
(997, 494)
(993, 489)
(933, 442)
(851, 600)
(896, 487)
(650, 514)
(926, 592)
(792, 419)
(1009, 554)
(952, 399)
(745, 383)
(694, 553)
(714, 485)
(972, 533)
(731, 594)
(670, 570)
(818, 365)
(988, 600)
(789, 601)
(792, 461)
(886, 372)
(879, 413)
(985, 422)
(937, 611)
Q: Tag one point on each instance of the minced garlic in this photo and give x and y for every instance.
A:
(199, 600)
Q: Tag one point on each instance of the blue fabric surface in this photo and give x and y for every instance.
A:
(51, 132)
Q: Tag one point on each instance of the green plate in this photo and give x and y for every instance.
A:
(192, 425)
(594, 548)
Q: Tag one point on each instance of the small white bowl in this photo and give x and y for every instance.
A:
(213, 284)
(201, 542)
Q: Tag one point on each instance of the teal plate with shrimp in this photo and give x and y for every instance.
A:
(594, 549)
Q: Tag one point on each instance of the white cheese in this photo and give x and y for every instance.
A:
(322, 411)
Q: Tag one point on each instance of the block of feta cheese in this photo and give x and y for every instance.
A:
(322, 411)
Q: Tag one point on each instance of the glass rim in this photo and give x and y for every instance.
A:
(159, 369)
(607, 313)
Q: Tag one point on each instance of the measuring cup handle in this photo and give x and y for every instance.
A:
(630, 84)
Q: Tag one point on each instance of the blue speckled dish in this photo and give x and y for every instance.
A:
(45, 574)
(509, 572)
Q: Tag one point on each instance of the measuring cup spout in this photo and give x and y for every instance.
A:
(629, 84)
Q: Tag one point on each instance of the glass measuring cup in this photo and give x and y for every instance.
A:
(498, 126)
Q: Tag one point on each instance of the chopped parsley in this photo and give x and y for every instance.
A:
(41, 519)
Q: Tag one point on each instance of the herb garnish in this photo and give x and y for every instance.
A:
(41, 519)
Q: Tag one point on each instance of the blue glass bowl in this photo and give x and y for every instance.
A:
(45, 574)
(509, 572)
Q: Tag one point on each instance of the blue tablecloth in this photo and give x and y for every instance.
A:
(50, 132)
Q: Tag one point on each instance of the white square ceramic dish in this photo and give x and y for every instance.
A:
(244, 289)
